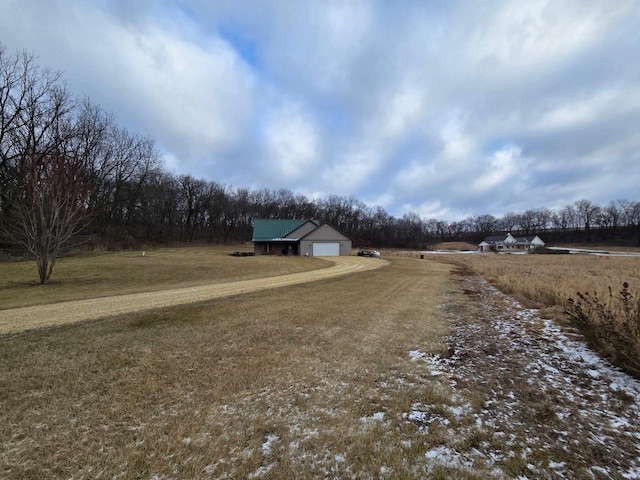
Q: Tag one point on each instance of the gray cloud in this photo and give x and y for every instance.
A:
(447, 110)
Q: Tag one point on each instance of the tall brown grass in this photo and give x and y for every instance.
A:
(576, 288)
(611, 323)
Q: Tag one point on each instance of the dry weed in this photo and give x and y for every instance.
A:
(550, 280)
(611, 324)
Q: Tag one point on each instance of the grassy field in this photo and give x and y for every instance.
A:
(104, 274)
(453, 246)
(339, 378)
(610, 323)
(288, 383)
(549, 280)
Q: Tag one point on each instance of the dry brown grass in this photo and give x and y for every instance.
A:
(307, 381)
(453, 246)
(14, 320)
(283, 383)
(601, 247)
(550, 281)
(106, 274)
(611, 322)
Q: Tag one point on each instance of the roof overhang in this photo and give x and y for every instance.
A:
(279, 240)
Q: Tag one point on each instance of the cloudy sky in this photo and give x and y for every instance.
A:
(445, 109)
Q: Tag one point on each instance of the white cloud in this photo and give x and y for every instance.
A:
(318, 44)
(499, 169)
(536, 33)
(351, 171)
(201, 94)
(431, 209)
(397, 116)
(399, 113)
(575, 113)
(291, 141)
(197, 94)
(171, 162)
(453, 161)
(459, 145)
(438, 107)
(378, 200)
(591, 108)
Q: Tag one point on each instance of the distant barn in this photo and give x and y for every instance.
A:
(298, 237)
(509, 243)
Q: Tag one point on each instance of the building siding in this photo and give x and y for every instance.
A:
(300, 241)
(327, 234)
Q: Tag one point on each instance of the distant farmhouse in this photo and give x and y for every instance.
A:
(509, 243)
(298, 237)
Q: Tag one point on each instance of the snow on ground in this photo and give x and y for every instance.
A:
(514, 396)
(527, 397)
(450, 252)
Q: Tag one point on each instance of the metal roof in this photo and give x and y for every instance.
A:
(275, 230)
(492, 240)
(496, 238)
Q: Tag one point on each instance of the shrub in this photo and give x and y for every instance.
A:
(611, 325)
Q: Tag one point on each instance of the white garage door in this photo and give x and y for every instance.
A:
(326, 249)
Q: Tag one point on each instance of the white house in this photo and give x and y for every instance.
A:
(509, 243)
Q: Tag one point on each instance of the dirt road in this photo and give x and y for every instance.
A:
(27, 318)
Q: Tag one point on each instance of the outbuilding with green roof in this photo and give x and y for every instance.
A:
(298, 237)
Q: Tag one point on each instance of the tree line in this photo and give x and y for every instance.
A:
(69, 171)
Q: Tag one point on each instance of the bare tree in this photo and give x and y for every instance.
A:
(587, 212)
(411, 230)
(441, 229)
(31, 104)
(543, 218)
(44, 188)
(485, 224)
(561, 220)
(614, 213)
(572, 217)
(631, 214)
(528, 221)
(509, 221)
(607, 220)
(48, 206)
(192, 205)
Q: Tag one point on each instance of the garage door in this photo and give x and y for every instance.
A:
(326, 249)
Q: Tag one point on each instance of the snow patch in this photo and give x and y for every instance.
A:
(416, 355)
(527, 367)
(267, 445)
(376, 417)
(262, 471)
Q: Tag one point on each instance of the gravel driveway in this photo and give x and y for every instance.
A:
(27, 318)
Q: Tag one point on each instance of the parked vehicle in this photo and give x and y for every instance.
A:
(368, 253)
